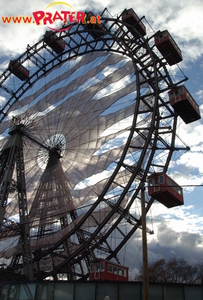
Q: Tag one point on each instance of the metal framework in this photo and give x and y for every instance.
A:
(156, 135)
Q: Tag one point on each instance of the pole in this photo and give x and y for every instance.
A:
(144, 247)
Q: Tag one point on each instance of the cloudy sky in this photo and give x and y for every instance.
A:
(177, 232)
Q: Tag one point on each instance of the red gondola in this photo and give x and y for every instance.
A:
(18, 70)
(130, 17)
(162, 188)
(99, 29)
(103, 270)
(184, 104)
(57, 44)
(168, 47)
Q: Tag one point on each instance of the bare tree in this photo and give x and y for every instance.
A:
(175, 270)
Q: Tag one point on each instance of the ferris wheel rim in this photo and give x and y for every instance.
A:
(127, 144)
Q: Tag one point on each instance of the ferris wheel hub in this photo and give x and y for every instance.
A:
(16, 128)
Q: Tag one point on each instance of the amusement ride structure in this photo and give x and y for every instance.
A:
(87, 115)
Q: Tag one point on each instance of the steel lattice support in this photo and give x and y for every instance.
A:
(13, 156)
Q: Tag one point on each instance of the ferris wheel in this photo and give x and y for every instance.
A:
(85, 119)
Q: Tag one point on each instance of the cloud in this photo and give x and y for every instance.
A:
(199, 95)
(185, 24)
(170, 239)
(179, 219)
(177, 232)
(187, 168)
(168, 243)
(191, 161)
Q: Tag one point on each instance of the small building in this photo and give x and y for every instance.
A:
(165, 190)
(168, 47)
(95, 29)
(54, 42)
(130, 17)
(104, 270)
(184, 104)
(18, 70)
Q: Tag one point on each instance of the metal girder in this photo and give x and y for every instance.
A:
(13, 155)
